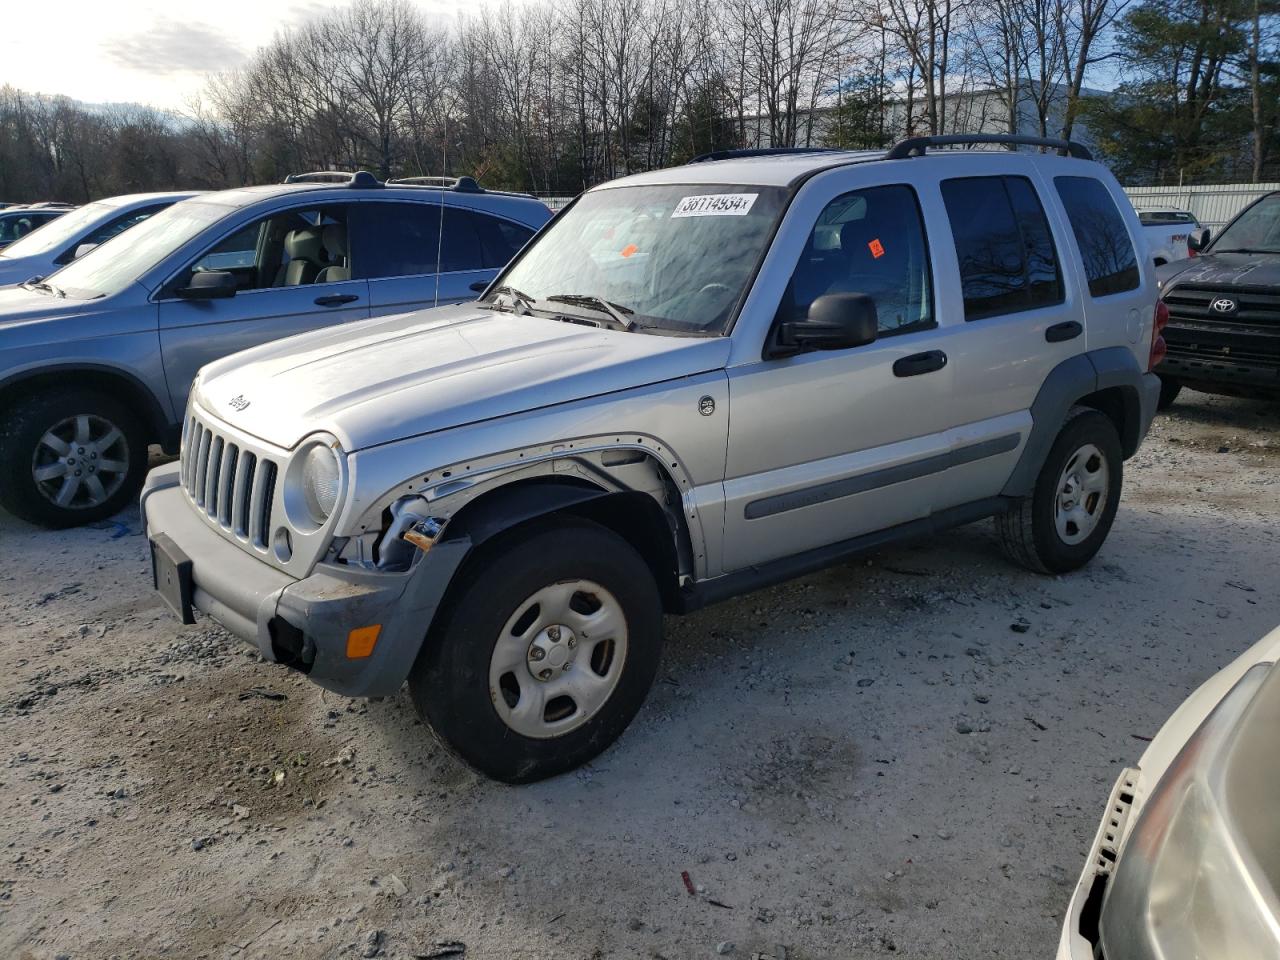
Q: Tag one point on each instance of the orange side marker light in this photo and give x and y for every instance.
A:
(629, 249)
(361, 641)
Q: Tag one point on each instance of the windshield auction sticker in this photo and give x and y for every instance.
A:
(715, 205)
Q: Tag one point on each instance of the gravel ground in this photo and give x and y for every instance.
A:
(907, 754)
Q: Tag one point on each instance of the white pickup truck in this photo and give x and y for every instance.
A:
(1171, 234)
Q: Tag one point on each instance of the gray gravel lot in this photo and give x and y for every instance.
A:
(871, 760)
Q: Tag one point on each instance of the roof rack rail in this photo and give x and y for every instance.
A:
(361, 179)
(759, 152)
(457, 184)
(916, 146)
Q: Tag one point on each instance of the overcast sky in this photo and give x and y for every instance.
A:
(102, 51)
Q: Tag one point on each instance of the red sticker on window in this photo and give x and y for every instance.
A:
(876, 248)
(629, 249)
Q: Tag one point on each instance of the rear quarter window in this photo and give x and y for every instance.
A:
(1110, 263)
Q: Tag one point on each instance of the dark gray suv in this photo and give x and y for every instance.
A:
(96, 359)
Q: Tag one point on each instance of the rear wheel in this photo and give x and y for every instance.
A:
(1169, 390)
(545, 655)
(70, 458)
(1064, 522)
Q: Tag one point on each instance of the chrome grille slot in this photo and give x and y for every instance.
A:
(264, 489)
(240, 495)
(231, 485)
(230, 454)
(211, 474)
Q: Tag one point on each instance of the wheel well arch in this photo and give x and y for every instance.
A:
(1123, 408)
(656, 531)
(113, 381)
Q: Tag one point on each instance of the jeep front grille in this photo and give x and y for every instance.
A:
(232, 486)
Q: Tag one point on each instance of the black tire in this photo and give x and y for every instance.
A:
(26, 422)
(1028, 531)
(450, 683)
(1169, 390)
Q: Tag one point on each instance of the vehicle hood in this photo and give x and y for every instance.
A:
(390, 378)
(18, 269)
(21, 309)
(1251, 269)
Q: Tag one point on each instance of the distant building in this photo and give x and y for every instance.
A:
(967, 111)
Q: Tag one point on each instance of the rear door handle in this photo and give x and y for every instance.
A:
(1067, 330)
(335, 299)
(919, 363)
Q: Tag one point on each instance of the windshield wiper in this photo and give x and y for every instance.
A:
(521, 303)
(1247, 250)
(614, 310)
(47, 287)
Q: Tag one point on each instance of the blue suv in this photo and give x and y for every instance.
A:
(96, 358)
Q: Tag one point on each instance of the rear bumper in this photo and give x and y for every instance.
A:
(1148, 400)
(304, 623)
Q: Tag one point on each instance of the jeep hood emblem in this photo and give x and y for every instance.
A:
(238, 402)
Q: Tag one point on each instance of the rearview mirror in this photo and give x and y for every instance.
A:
(209, 285)
(836, 321)
(1198, 240)
(82, 250)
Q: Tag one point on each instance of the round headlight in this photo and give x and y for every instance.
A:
(320, 475)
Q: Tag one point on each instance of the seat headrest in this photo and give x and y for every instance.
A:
(335, 240)
(303, 244)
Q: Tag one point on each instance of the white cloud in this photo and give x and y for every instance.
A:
(143, 51)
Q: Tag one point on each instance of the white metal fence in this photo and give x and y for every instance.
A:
(1213, 204)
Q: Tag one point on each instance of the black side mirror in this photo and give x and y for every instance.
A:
(209, 285)
(836, 321)
(1198, 240)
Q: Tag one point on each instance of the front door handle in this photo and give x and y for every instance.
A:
(919, 363)
(1068, 330)
(480, 286)
(335, 299)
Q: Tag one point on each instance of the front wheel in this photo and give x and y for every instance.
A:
(1063, 523)
(1169, 390)
(545, 654)
(70, 458)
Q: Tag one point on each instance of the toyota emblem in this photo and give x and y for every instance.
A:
(1223, 305)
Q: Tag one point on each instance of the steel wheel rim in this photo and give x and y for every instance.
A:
(80, 462)
(558, 659)
(1081, 494)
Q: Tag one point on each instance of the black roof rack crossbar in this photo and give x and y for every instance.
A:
(457, 184)
(759, 152)
(916, 146)
(361, 179)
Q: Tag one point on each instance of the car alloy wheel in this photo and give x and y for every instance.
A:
(80, 462)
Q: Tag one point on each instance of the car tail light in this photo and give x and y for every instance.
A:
(1158, 347)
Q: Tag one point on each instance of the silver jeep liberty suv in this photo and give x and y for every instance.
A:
(692, 383)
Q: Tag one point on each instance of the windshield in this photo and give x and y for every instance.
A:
(669, 258)
(58, 233)
(122, 260)
(1257, 230)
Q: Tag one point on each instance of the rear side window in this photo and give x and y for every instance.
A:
(398, 239)
(501, 239)
(402, 240)
(1008, 262)
(1110, 263)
